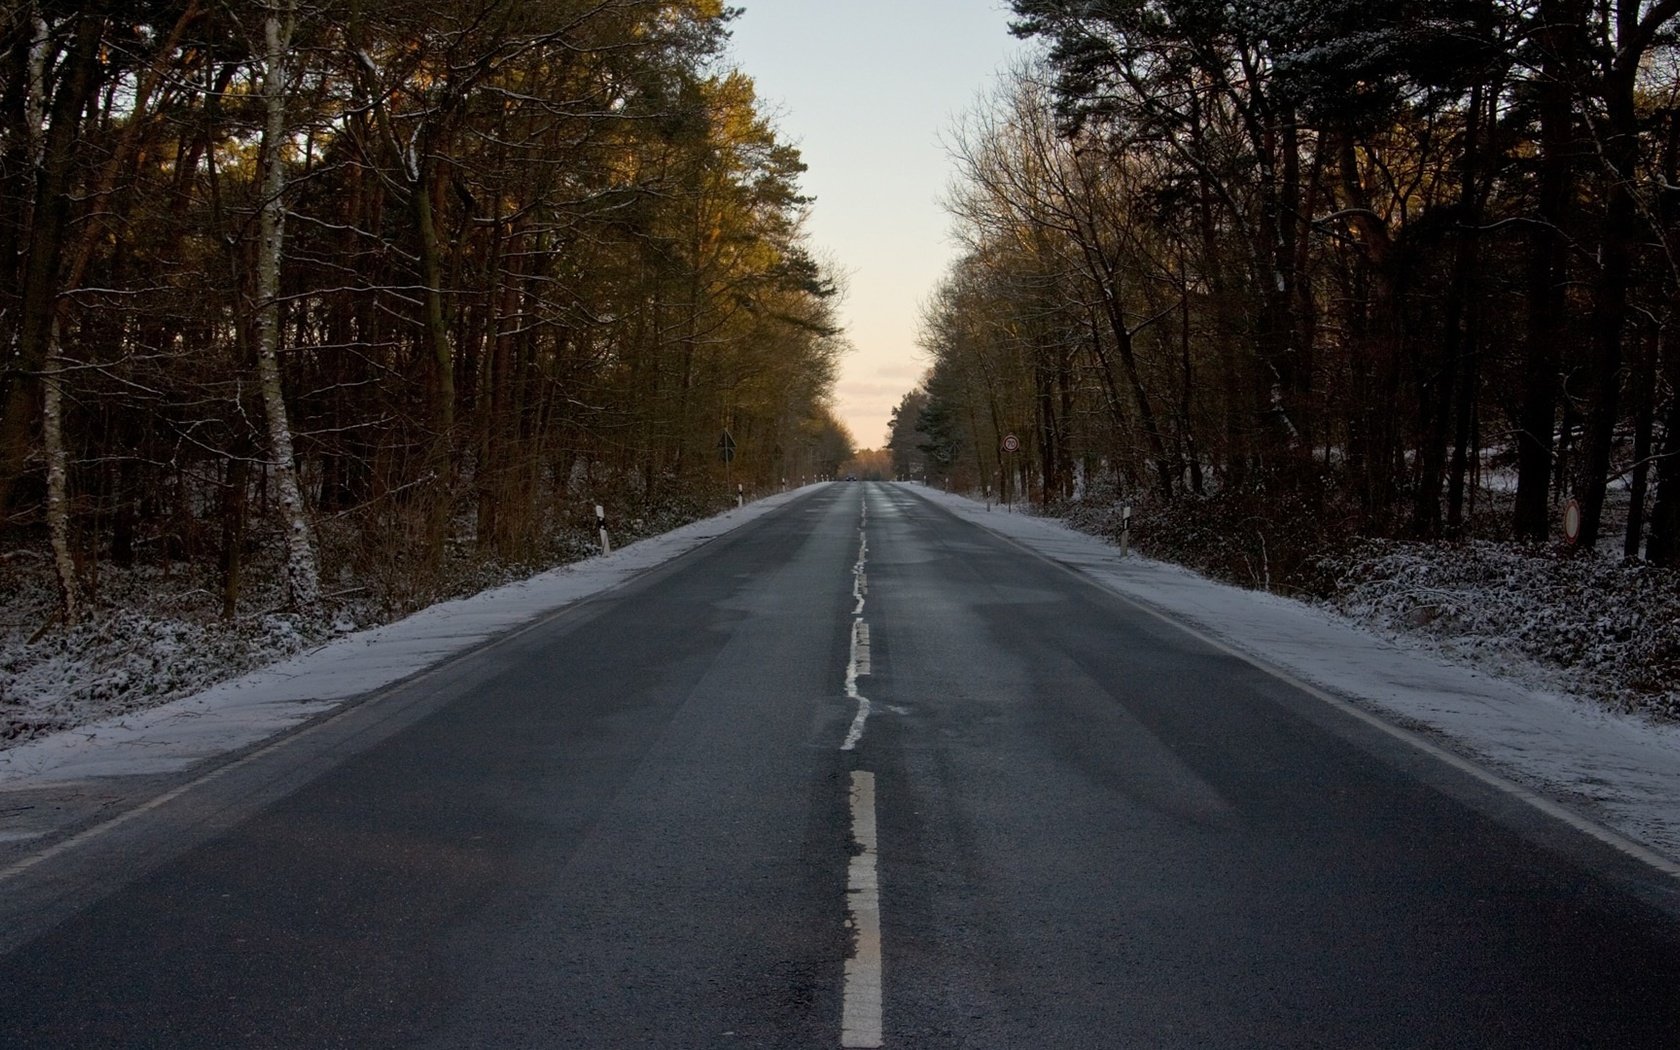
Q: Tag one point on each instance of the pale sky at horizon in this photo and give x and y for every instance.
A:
(866, 89)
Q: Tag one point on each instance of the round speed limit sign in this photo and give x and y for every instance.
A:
(1011, 443)
(1572, 522)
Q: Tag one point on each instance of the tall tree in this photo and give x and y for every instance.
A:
(302, 572)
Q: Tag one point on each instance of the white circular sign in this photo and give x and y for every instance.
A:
(1572, 521)
(1011, 443)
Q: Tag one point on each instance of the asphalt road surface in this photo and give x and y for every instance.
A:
(856, 774)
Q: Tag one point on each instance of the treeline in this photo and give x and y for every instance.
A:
(1323, 258)
(380, 278)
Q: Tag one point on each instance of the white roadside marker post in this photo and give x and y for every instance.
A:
(601, 523)
(1125, 529)
(740, 495)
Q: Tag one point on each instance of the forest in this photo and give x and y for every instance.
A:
(1302, 270)
(353, 294)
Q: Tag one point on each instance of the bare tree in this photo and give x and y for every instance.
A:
(302, 570)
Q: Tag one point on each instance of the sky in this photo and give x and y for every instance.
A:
(867, 89)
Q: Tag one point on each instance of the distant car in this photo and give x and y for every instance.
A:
(851, 477)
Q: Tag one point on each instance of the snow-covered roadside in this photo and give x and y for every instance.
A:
(1622, 769)
(245, 710)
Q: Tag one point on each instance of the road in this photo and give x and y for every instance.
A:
(856, 774)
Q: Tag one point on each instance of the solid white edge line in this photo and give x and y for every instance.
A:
(1614, 839)
(64, 846)
(860, 1014)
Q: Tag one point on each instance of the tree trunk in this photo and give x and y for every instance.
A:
(1187, 430)
(1643, 419)
(41, 268)
(1374, 455)
(1662, 545)
(58, 501)
(1061, 463)
(1461, 351)
(1276, 402)
(233, 531)
(1123, 345)
(1470, 388)
(1235, 461)
(440, 456)
(22, 102)
(301, 570)
(1547, 270)
(1609, 314)
(1044, 400)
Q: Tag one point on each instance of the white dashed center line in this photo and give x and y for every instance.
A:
(858, 666)
(860, 1012)
(860, 1017)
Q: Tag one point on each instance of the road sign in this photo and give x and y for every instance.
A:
(1011, 443)
(1572, 521)
(726, 447)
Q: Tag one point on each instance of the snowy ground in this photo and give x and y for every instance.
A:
(1597, 626)
(1621, 769)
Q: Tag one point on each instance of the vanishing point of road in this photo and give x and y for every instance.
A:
(856, 774)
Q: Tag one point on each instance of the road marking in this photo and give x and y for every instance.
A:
(859, 584)
(1615, 840)
(66, 845)
(860, 1014)
(858, 665)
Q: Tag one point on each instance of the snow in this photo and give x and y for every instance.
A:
(1599, 626)
(241, 712)
(1623, 770)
